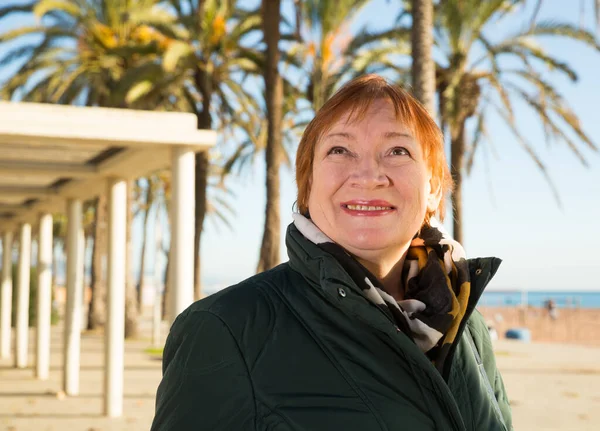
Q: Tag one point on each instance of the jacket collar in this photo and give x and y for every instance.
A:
(323, 271)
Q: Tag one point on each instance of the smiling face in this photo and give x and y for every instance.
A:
(371, 184)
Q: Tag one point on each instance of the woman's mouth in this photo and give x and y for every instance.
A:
(368, 209)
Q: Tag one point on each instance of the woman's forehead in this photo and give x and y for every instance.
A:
(379, 113)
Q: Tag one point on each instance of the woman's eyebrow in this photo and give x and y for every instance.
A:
(344, 135)
(392, 135)
(350, 136)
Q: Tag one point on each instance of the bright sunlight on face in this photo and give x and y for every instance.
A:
(370, 184)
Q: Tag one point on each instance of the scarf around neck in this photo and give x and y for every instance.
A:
(435, 281)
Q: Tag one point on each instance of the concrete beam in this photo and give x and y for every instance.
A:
(71, 170)
(27, 192)
(60, 124)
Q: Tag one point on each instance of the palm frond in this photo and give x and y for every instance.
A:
(478, 135)
(22, 31)
(550, 124)
(66, 82)
(365, 37)
(526, 145)
(20, 8)
(493, 79)
(526, 50)
(552, 28)
(43, 7)
(483, 13)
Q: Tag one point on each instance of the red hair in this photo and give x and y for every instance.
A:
(356, 98)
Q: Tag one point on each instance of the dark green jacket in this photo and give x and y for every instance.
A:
(299, 348)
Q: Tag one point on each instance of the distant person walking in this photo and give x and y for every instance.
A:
(552, 309)
(371, 325)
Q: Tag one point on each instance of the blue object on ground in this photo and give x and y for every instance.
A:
(520, 334)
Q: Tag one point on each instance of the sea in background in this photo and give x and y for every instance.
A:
(490, 298)
(562, 299)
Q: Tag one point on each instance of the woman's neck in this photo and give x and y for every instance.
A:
(389, 273)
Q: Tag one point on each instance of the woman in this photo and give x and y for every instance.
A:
(371, 323)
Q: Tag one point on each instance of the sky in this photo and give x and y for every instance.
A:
(509, 209)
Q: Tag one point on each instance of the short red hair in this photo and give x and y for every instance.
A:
(355, 98)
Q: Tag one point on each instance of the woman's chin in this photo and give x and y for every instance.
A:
(374, 241)
(368, 244)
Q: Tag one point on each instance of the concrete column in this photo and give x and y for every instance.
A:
(74, 298)
(22, 323)
(6, 298)
(115, 318)
(44, 297)
(80, 277)
(181, 279)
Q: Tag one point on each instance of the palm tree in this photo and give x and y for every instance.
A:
(86, 52)
(209, 54)
(327, 54)
(97, 305)
(59, 236)
(423, 66)
(145, 191)
(473, 81)
(269, 251)
(131, 305)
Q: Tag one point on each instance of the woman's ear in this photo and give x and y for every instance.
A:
(435, 195)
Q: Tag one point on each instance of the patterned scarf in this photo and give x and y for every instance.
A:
(436, 286)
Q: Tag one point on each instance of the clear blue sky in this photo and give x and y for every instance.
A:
(510, 211)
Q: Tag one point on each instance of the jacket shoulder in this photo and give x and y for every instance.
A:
(205, 378)
(237, 301)
(249, 307)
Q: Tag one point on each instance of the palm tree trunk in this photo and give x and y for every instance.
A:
(298, 13)
(442, 108)
(97, 305)
(55, 262)
(457, 160)
(131, 307)
(167, 289)
(140, 285)
(423, 66)
(203, 84)
(269, 251)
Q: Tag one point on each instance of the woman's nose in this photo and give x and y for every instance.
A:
(369, 174)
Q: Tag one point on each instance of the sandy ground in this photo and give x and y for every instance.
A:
(551, 387)
(28, 404)
(571, 326)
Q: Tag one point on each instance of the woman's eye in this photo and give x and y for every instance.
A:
(400, 151)
(337, 150)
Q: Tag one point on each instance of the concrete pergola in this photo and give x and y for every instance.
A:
(52, 158)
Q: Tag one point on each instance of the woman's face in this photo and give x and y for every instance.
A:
(370, 187)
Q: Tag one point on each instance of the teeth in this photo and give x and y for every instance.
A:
(366, 208)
